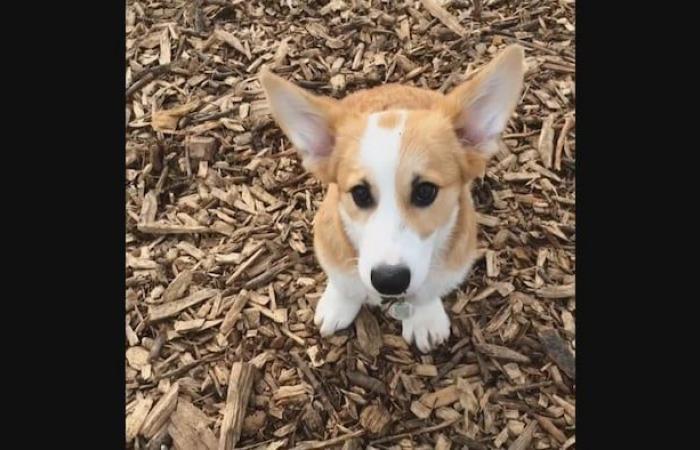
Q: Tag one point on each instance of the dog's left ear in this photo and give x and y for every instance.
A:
(481, 107)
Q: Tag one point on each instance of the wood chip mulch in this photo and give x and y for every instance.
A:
(221, 281)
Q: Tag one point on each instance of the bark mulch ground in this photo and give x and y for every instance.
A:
(221, 279)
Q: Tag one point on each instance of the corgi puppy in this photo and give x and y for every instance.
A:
(398, 220)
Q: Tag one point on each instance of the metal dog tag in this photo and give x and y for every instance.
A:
(401, 310)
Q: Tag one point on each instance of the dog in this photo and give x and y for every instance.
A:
(398, 221)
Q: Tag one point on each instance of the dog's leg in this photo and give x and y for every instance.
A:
(428, 326)
(339, 304)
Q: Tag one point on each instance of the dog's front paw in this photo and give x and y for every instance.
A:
(334, 312)
(428, 326)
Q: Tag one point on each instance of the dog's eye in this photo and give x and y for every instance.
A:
(423, 194)
(362, 196)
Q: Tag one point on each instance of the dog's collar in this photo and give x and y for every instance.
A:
(388, 300)
(397, 307)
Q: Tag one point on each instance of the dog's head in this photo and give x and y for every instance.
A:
(400, 172)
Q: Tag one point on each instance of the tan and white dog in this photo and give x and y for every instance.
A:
(398, 218)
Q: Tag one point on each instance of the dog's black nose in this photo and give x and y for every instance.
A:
(390, 280)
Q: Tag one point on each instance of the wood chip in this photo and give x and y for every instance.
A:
(161, 412)
(201, 148)
(318, 387)
(551, 429)
(558, 350)
(183, 326)
(440, 13)
(244, 266)
(149, 208)
(287, 394)
(425, 370)
(352, 444)
(414, 432)
(240, 386)
(310, 445)
(487, 221)
(523, 441)
(137, 357)
(502, 353)
(370, 383)
(545, 144)
(442, 443)
(568, 407)
(165, 49)
(568, 123)
(189, 428)
(136, 419)
(420, 410)
(178, 286)
(166, 120)
(233, 41)
(131, 336)
(442, 397)
(562, 291)
(492, 267)
(375, 419)
(163, 228)
(233, 314)
(165, 310)
(369, 336)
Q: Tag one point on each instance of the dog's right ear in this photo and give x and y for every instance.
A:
(306, 119)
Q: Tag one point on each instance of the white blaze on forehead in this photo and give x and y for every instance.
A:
(379, 156)
(379, 150)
